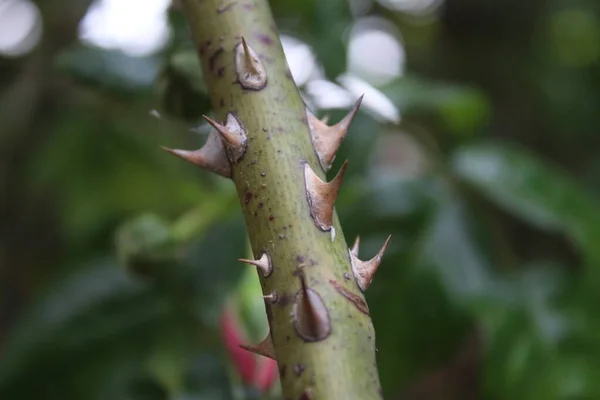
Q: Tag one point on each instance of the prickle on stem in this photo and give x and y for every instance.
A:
(365, 270)
(326, 139)
(233, 135)
(310, 315)
(211, 156)
(251, 73)
(321, 196)
(264, 348)
(263, 264)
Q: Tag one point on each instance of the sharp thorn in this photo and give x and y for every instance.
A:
(210, 157)
(326, 139)
(264, 348)
(263, 264)
(355, 246)
(321, 195)
(365, 270)
(251, 72)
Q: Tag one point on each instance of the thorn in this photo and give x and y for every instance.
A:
(210, 157)
(309, 314)
(325, 119)
(233, 135)
(263, 264)
(271, 297)
(332, 234)
(365, 270)
(326, 139)
(251, 72)
(355, 246)
(264, 348)
(248, 57)
(321, 195)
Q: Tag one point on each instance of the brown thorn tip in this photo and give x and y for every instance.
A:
(365, 270)
(263, 264)
(356, 246)
(326, 139)
(321, 195)
(210, 157)
(264, 348)
(233, 136)
(250, 70)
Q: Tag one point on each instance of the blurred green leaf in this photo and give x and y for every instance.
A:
(182, 90)
(536, 192)
(462, 107)
(109, 69)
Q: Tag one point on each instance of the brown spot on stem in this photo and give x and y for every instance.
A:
(299, 369)
(248, 197)
(264, 39)
(282, 370)
(352, 297)
(226, 7)
(220, 72)
(213, 58)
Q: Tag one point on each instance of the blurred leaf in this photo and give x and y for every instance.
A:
(324, 24)
(462, 108)
(109, 69)
(538, 193)
(329, 21)
(449, 246)
(182, 90)
(146, 245)
(83, 323)
(206, 379)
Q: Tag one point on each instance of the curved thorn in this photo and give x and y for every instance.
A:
(321, 195)
(326, 139)
(365, 270)
(210, 157)
(355, 246)
(233, 135)
(264, 348)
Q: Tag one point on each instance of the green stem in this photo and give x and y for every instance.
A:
(312, 274)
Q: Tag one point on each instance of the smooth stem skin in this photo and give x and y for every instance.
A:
(270, 183)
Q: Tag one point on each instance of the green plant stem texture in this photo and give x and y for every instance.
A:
(269, 179)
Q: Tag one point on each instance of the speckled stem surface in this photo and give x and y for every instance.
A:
(270, 182)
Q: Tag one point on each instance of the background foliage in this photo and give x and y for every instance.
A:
(116, 260)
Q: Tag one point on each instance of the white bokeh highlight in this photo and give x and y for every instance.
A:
(136, 27)
(20, 27)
